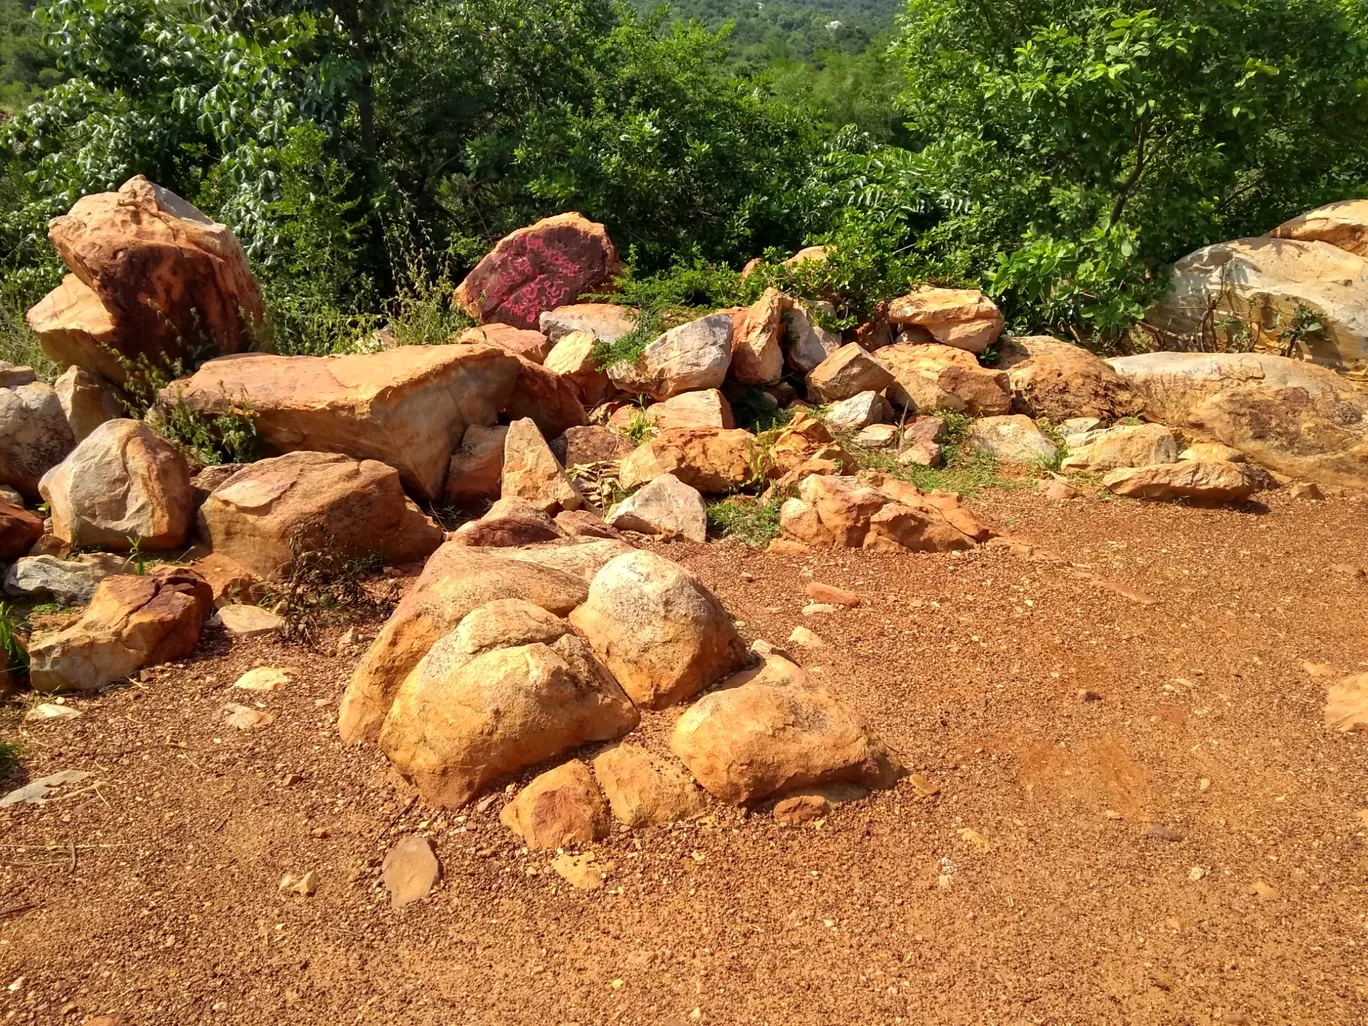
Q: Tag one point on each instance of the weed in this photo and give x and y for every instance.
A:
(135, 556)
(321, 581)
(1043, 465)
(757, 412)
(422, 312)
(227, 437)
(748, 519)
(964, 475)
(11, 651)
(19, 345)
(649, 325)
(954, 431)
(639, 428)
(9, 757)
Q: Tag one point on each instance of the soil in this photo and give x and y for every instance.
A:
(1186, 844)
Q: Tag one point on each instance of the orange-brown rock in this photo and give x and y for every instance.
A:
(269, 513)
(530, 345)
(151, 277)
(645, 790)
(408, 407)
(476, 468)
(846, 373)
(1343, 225)
(1190, 479)
(573, 358)
(713, 460)
(1054, 380)
(705, 408)
(549, 399)
(558, 808)
(131, 622)
(537, 269)
(531, 471)
(19, 529)
(757, 331)
(589, 444)
(930, 378)
(229, 582)
(510, 521)
(963, 318)
(882, 515)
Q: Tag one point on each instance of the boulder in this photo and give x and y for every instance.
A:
(531, 472)
(809, 342)
(537, 269)
(1343, 225)
(557, 809)
(878, 436)
(67, 582)
(658, 629)
(1012, 439)
(757, 331)
(712, 460)
(1292, 417)
(124, 484)
(845, 373)
(456, 580)
(510, 521)
(12, 375)
(691, 356)
(707, 408)
(859, 411)
(34, 435)
(408, 407)
(549, 400)
(1057, 381)
(19, 529)
(1262, 283)
(763, 738)
(1189, 479)
(931, 378)
(457, 725)
(269, 513)
(1125, 445)
(884, 516)
(87, 400)
(152, 279)
(131, 622)
(582, 559)
(963, 318)
(666, 507)
(532, 346)
(645, 790)
(580, 446)
(1212, 451)
(607, 322)
(476, 469)
(573, 359)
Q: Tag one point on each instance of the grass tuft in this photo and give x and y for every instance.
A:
(748, 519)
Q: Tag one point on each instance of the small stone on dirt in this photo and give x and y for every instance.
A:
(1160, 832)
(1263, 891)
(409, 870)
(47, 712)
(35, 792)
(1089, 696)
(263, 678)
(801, 808)
(583, 872)
(829, 595)
(804, 637)
(244, 621)
(305, 885)
(819, 608)
(244, 717)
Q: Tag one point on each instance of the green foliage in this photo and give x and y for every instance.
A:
(18, 344)
(11, 651)
(639, 428)
(226, 437)
(751, 520)
(756, 410)
(135, 557)
(25, 68)
(9, 757)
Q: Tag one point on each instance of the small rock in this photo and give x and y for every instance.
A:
(244, 621)
(409, 871)
(666, 507)
(1089, 696)
(877, 436)
(804, 637)
(801, 808)
(835, 596)
(1196, 873)
(305, 885)
(1262, 890)
(1058, 490)
(244, 717)
(820, 608)
(563, 806)
(1160, 832)
(48, 712)
(263, 678)
(35, 791)
(1305, 490)
(583, 872)
(1346, 704)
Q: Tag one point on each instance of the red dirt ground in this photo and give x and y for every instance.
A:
(153, 897)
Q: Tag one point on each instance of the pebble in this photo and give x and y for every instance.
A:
(806, 638)
(304, 885)
(1160, 832)
(263, 678)
(583, 872)
(49, 712)
(410, 870)
(801, 808)
(1262, 890)
(819, 608)
(1196, 873)
(244, 717)
(831, 595)
(1086, 695)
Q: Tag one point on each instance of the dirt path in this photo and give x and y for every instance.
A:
(1189, 848)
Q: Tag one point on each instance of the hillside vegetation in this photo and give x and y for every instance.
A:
(1056, 152)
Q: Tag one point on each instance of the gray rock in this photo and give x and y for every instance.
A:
(809, 342)
(666, 507)
(34, 435)
(12, 375)
(859, 411)
(68, 582)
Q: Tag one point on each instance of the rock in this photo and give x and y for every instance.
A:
(1054, 380)
(228, 580)
(645, 790)
(809, 342)
(1212, 452)
(305, 886)
(583, 872)
(124, 484)
(12, 495)
(549, 400)
(409, 870)
(1261, 283)
(580, 523)
(458, 723)
(1012, 439)
(34, 435)
(559, 808)
(859, 411)
(152, 276)
(658, 629)
(1076, 429)
(263, 678)
(510, 521)
(47, 712)
(1305, 491)
(12, 375)
(747, 742)
(1346, 704)
(532, 346)
(757, 330)
(706, 408)
(666, 507)
(1058, 490)
(846, 513)
(476, 468)
(930, 378)
(582, 559)
(712, 460)
(921, 454)
(845, 373)
(87, 400)
(607, 322)
(67, 582)
(131, 622)
(963, 318)
(878, 436)
(531, 472)
(805, 638)
(573, 359)
(580, 446)
(810, 255)
(408, 407)
(1343, 225)
(692, 356)
(271, 512)
(800, 809)
(244, 621)
(35, 792)
(1190, 479)
(538, 269)
(456, 580)
(19, 529)
(1125, 445)
(828, 594)
(209, 478)
(1295, 418)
